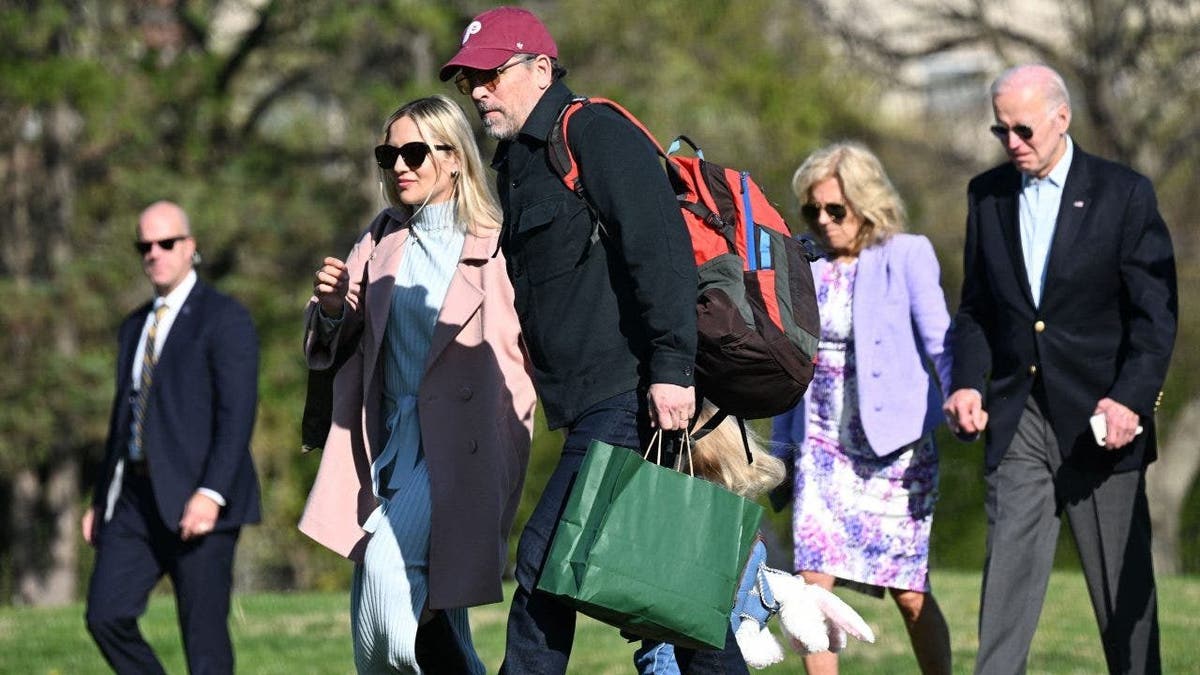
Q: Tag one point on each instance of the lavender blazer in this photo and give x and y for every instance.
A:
(475, 411)
(900, 325)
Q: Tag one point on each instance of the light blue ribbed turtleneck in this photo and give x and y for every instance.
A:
(431, 254)
(392, 583)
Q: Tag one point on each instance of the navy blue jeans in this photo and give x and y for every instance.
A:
(540, 628)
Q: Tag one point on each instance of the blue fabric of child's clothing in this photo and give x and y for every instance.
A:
(754, 602)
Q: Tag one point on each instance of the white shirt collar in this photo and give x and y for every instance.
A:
(1058, 175)
(174, 300)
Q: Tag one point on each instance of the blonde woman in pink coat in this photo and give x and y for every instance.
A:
(423, 467)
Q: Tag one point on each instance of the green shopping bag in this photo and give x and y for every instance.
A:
(650, 550)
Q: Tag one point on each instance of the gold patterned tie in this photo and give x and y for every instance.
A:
(149, 358)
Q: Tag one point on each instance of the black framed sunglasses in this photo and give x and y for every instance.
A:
(466, 82)
(413, 154)
(167, 244)
(1023, 131)
(811, 212)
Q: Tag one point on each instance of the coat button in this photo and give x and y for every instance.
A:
(465, 393)
(1039, 326)
(473, 447)
(1032, 370)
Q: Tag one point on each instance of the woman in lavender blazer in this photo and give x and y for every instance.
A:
(861, 443)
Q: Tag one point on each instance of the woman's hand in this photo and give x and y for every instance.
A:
(330, 286)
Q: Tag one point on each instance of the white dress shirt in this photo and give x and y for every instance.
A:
(1039, 203)
(174, 302)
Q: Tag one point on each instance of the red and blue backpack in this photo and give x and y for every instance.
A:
(756, 305)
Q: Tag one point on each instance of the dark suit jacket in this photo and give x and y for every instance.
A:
(201, 409)
(1107, 320)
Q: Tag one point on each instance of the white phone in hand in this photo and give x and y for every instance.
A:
(1100, 428)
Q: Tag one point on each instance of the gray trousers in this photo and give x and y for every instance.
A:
(1027, 494)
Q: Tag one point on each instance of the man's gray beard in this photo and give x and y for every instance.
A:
(496, 134)
(499, 132)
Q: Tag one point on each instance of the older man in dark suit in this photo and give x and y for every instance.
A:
(178, 481)
(1068, 312)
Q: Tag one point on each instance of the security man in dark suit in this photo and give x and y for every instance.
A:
(1069, 312)
(178, 481)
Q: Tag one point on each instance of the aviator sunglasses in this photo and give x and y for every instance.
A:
(413, 154)
(1023, 131)
(167, 244)
(466, 83)
(811, 212)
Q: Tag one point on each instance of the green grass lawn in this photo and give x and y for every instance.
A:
(297, 633)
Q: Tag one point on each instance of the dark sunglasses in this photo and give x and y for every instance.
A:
(811, 212)
(1023, 131)
(466, 82)
(413, 154)
(144, 247)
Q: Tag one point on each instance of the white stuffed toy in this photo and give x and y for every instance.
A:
(813, 619)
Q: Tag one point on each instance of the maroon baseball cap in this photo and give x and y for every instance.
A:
(494, 36)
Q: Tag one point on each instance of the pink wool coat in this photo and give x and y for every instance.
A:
(475, 405)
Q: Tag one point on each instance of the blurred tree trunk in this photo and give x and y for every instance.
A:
(45, 516)
(45, 509)
(1168, 481)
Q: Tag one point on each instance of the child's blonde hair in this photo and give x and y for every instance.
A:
(720, 457)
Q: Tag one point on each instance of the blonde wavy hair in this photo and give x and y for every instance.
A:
(720, 457)
(441, 121)
(868, 191)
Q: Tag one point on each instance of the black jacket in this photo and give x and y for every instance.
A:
(1107, 320)
(606, 316)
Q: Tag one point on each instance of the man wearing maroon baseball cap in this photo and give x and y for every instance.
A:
(493, 44)
(496, 35)
(605, 289)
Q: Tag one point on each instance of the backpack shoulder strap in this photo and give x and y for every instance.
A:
(562, 157)
(715, 421)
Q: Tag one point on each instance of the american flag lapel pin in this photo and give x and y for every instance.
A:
(1078, 204)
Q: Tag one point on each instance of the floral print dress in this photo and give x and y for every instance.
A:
(861, 518)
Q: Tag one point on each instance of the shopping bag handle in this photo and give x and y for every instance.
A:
(655, 445)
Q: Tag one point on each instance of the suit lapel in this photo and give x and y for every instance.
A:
(381, 280)
(185, 326)
(1074, 206)
(1010, 225)
(463, 296)
(128, 346)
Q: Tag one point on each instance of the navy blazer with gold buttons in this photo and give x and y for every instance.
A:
(1107, 319)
